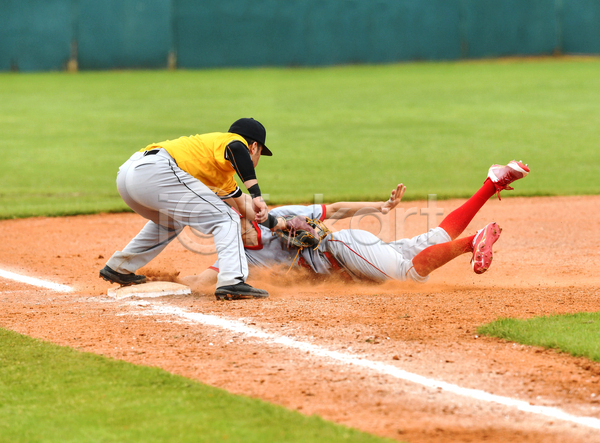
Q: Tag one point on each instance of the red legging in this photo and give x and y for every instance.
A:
(454, 224)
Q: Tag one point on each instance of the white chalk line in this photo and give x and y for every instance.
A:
(35, 281)
(382, 368)
(350, 359)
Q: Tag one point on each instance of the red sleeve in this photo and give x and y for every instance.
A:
(324, 212)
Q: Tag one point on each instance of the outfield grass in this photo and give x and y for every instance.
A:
(50, 393)
(577, 334)
(344, 132)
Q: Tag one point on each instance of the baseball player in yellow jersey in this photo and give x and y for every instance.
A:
(187, 182)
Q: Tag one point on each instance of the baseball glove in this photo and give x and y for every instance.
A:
(303, 232)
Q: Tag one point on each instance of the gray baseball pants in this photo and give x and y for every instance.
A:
(170, 198)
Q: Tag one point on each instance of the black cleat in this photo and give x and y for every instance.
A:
(239, 292)
(123, 279)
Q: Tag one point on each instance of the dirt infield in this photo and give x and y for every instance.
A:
(546, 262)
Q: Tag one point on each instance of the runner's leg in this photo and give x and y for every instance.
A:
(457, 221)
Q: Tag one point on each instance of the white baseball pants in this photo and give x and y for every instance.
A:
(364, 254)
(157, 189)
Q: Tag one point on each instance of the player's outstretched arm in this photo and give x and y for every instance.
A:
(341, 210)
(394, 199)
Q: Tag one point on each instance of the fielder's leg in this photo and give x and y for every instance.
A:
(132, 179)
(145, 246)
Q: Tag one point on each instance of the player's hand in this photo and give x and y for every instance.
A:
(394, 199)
(260, 208)
(298, 223)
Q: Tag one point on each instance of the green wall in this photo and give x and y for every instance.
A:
(123, 33)
(314, 32)
(580, 20)
(35, 35)
(494, 28)
(106, 34)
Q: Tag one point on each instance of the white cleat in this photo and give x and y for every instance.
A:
(502, 176)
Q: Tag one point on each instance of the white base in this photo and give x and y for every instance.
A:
(150, 289)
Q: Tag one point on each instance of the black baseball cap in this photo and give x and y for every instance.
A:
(253, 129)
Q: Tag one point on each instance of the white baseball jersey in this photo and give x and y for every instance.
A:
(359, 253)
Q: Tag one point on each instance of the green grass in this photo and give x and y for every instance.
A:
(345, 132)
(577, 334)
(55, 394)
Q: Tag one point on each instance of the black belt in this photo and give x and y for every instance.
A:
(152, 152)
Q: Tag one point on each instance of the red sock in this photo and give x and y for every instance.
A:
(435, 256)
(458, 220)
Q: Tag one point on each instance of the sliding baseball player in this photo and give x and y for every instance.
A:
(361, 255)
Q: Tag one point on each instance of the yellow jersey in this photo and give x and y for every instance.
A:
(203, 157)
